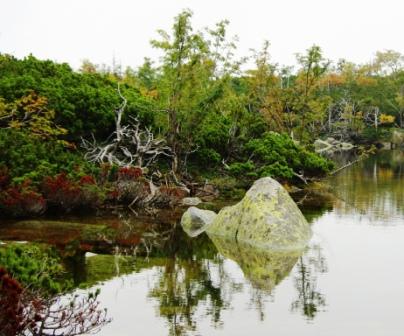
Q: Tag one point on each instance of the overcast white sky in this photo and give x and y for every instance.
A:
(73, 30)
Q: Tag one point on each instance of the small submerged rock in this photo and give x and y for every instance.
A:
(191, 201)
(397, 138)
(331, 146)
(266, 217)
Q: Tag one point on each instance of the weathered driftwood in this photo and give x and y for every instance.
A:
(350, 163)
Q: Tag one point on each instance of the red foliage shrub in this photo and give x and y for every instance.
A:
(169, 195)
(105, 173)
(12, 319)
(58, 192)
(64, 193)
(175, 192)
(61, 192)
(22, 313)
(129, 173)
(22, 201)
(129, 187)
(128, 191)
(113, 195)
(87, 179)
(59, 183)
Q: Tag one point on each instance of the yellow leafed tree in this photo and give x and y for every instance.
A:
(30, 113)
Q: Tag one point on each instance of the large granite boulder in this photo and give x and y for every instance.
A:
(266, 217)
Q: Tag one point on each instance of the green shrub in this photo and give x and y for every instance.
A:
(212, 137)
(29, 158)
(208, 156)
(84, 103)
(372, 135)
(277, 155)
(241, 169)
(276, 170)
(36, 267)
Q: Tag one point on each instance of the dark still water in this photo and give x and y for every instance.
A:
(348, 281)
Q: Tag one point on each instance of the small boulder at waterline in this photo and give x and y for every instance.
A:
(195, 221)
(191, 201)
(398, 138)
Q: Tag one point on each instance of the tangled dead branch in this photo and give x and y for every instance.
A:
(25, 312)
(128, 145)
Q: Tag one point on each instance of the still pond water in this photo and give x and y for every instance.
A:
(348, 281)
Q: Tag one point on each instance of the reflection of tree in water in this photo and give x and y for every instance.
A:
(309, 300)
(372, 189)
(182, 286)
(195, 277)
(187, 282)
(193, 281)
(190, 273)
(257, 300)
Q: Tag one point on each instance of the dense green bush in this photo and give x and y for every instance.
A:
(84, 102)
(243, 169)
(36, 267)
(27, 157)
(372, 135)
(212, 138)
(277, 155)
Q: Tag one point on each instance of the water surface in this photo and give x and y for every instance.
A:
(155, 280)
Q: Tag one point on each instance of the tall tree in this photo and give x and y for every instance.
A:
(309, 106)
(195, 80)
(184, 52)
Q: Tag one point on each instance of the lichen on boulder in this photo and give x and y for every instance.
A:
(266, 217)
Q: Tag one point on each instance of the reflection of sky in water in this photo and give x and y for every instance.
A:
(349, 281)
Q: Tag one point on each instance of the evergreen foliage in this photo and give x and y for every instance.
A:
(35, 267)
(278, 156)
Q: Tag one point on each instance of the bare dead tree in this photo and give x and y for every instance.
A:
(132, 145)
(128, 145)
(372, 116)
(343, 117)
